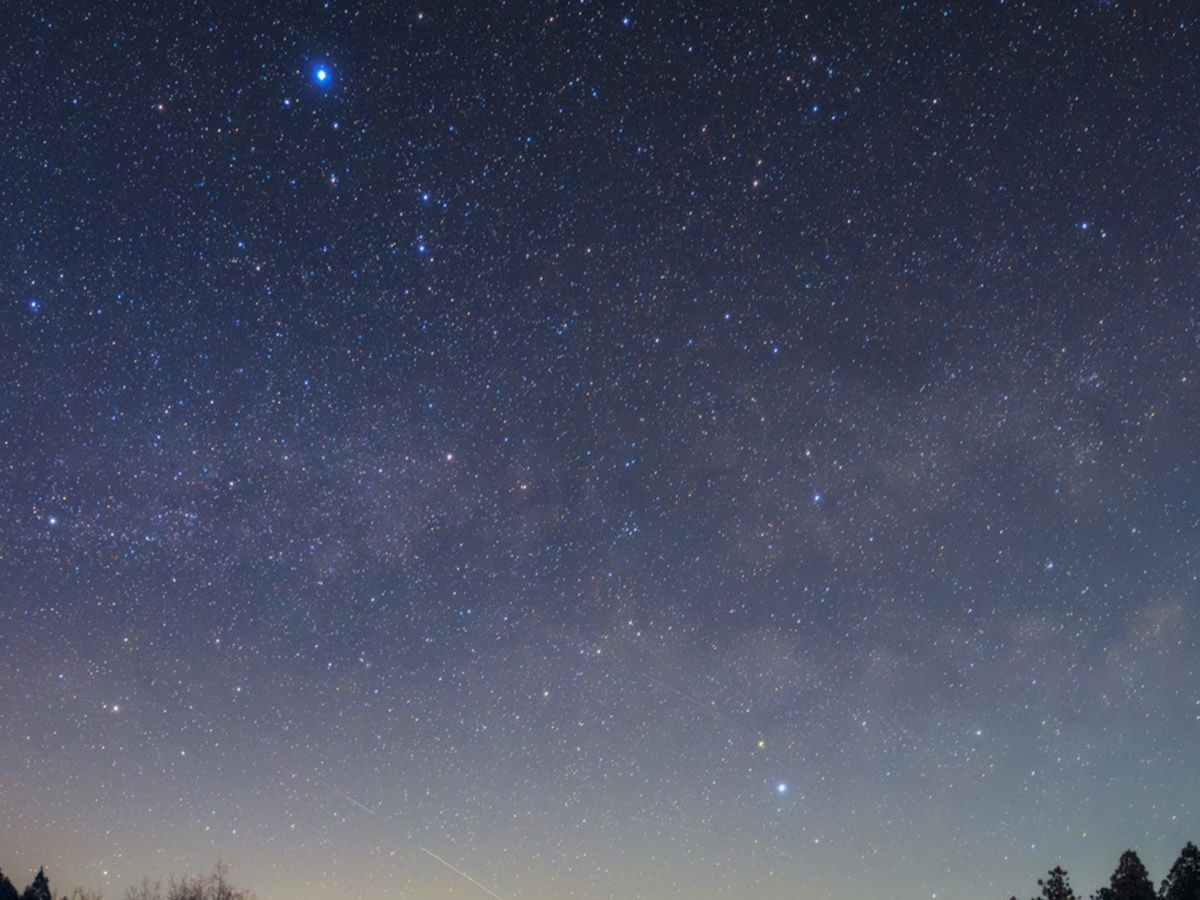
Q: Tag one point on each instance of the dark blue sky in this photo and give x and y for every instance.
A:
(652, 450)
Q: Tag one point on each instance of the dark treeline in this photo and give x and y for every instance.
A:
(1131, 881)
(213, 886)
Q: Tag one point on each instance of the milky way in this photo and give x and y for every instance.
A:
(590, 450)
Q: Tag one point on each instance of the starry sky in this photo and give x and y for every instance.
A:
(599, 450)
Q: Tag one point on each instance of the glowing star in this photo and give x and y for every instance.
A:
(781, 788)
(322, 74)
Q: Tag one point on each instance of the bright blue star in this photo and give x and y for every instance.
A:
(781, 787)
(322, 74)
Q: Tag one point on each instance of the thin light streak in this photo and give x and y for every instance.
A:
(344, 794)
(463, 874)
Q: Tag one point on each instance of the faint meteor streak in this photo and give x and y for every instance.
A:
(344, 794)
(670, 825)
(463, 874)
(680, 693)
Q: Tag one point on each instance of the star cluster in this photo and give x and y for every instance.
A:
(582, 450)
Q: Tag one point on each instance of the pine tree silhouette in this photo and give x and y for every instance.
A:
(1130, 881)
(39, 889)
(1056, 886)
(8, 891)
(1183, 881)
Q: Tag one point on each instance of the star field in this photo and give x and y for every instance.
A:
(590, 450)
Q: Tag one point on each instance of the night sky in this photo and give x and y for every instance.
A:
(598, 450)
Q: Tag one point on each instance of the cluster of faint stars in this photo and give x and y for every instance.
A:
(800, 423)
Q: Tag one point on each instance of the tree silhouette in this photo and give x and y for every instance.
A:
(144, 890)
(1056, 886)
(214, 886)
(219, 887)
(40, 888)
(1130, 881)
(1183, 881)
(9, 892)
(186, 888)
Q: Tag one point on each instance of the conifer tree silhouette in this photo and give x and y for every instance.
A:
(1056, 886)
(40, 888)
(7, 890)
(1130, 881)
(1183, 881)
